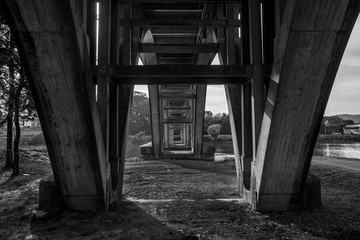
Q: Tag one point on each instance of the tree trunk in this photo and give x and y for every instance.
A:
(9, 146)
(17, 126)
(16, 140)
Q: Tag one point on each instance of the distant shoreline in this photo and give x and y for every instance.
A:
(341, 138)
(322, 138)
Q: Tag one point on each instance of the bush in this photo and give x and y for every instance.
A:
(214, 131)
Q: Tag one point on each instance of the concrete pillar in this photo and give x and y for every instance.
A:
(54, 53)
(308, 52)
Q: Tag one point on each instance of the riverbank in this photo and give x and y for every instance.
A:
(223, 144)
(343, 163)
(322, 138)
(178, 200)
(339, 138)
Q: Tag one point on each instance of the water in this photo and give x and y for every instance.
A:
(343, 150)
(340, 150)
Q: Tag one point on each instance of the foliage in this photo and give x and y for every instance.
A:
(15, 99)
(140, 114)
(336, 121)
(333, 124)
(214, 131)
(354, 117)
(219, 118)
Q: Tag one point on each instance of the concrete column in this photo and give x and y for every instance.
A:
(308, 52)
(54, 57)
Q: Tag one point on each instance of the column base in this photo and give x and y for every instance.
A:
(50, 199)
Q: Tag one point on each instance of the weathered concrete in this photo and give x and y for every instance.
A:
(51, 44)
(309, 48)
(273, 146)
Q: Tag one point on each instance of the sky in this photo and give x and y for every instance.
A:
(345, 94)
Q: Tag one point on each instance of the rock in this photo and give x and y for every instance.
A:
(38, 214)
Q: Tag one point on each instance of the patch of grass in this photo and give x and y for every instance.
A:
(37, 140)
(339, 215)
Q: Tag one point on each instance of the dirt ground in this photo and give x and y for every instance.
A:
(178, 200)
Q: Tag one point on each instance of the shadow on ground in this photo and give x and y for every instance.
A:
(124, 221)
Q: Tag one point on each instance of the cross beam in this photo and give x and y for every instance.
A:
(180, 74)
(166, 71)
(177, 121)
(218, 23)
(178, 80)
(179, 48)
(178, 1)
(177, 96)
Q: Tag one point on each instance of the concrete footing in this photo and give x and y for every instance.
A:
(51, 200)
(49, 197)
(208, 153)
(311, 197)
(146, 151)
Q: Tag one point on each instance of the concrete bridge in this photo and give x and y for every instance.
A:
(278, 64)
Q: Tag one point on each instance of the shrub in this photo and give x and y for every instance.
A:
(214, 131)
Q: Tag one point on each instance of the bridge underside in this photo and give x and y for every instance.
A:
(278, 64)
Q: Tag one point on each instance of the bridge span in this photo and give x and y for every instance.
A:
(278, 64)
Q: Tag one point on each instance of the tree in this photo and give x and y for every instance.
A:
(140, 114)
(9, 61)
(333, 124)
(207, 119)
(225, 124)
(219, 118)
(214, 131)
(15, 97)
